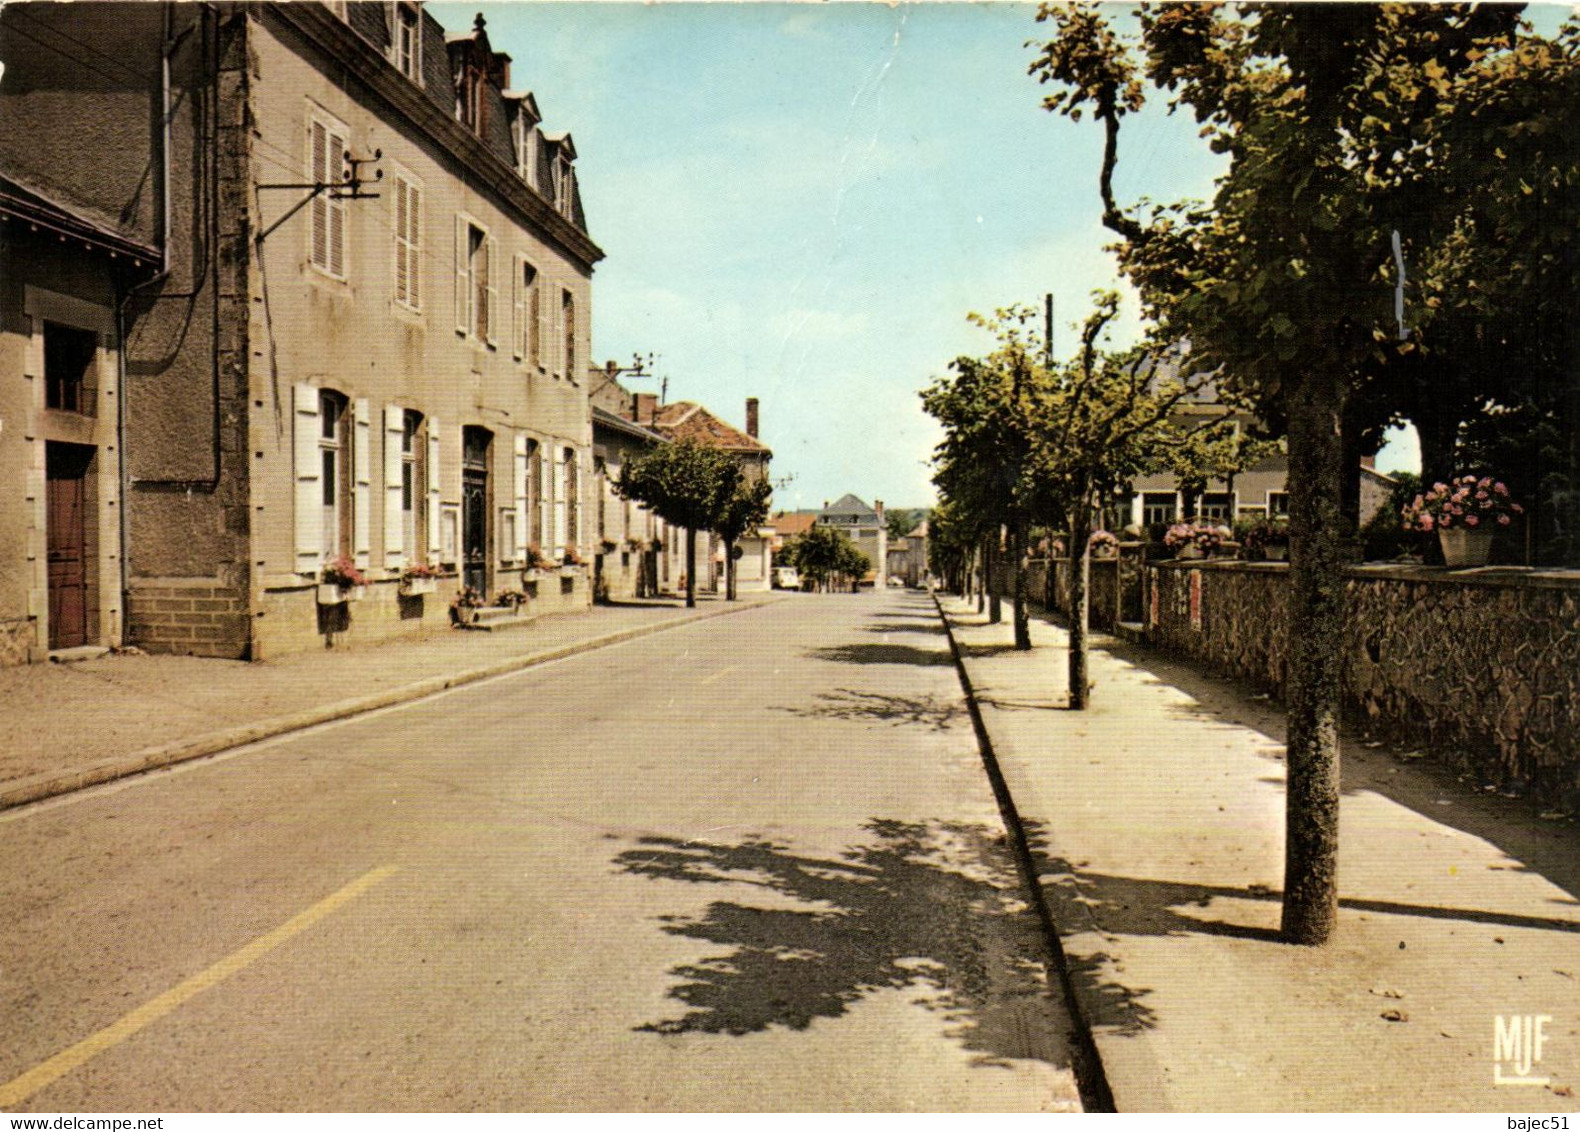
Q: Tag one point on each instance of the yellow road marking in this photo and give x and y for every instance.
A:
(716, 676)
(46, 1073)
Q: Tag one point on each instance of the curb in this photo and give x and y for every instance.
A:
(1090, 1076)
(37, 788)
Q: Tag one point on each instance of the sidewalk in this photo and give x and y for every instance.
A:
(66, 726)
(1156, 822)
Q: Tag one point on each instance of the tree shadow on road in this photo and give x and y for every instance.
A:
(881, 654)
(897, 627)
(843, 703)
(935, 907)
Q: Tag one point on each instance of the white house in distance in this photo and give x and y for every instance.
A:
(864, 526)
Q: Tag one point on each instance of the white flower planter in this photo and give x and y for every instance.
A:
(1464, 547)
(331, 594)
(416, 587)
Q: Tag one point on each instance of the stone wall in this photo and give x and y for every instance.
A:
(1114, 586)
(188, 616)
(1482, 667)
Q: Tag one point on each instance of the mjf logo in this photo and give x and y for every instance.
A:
(1517, 1043)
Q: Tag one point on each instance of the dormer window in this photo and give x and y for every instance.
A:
(526, 149)
(564, 184)
(407, 45)
(472, 104)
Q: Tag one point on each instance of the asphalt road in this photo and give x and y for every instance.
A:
(750, 864)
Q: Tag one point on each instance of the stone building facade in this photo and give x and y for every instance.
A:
(388, 375)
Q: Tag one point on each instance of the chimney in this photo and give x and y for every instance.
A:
(1369, 462)
(646, 407)
(751, 417)
(877, 505)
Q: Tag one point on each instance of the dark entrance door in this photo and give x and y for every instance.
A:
(66, 520)
(474, 508)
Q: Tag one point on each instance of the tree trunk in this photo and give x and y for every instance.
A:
(1315, 625)
(1021, 613)
(990, 557)
(729, 570)
(976, 578)
(691, 568)
(1080, 577)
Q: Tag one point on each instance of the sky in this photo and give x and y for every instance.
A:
(802, 203)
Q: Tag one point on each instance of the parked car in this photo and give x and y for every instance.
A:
(895, 581)
(786, 578)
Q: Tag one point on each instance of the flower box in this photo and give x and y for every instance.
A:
(416, 587)
(568, 571)
(1464, 546)
(331, 594)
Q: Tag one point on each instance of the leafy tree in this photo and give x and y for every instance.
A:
(687, 485)
(824, 556)
(743, 512)
(900, 522)
(1313, 106)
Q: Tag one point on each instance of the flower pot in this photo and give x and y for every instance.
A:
(567, 571)
(1189, 551)
(1463, 546)
(416, 587)
(1276, 552)
(331, 594)
(356, 593)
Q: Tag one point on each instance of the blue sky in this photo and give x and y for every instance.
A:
(803, 202)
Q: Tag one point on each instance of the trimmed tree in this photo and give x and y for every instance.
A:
(744, 511)
(687, 485)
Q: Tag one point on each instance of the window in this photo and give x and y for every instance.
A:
(476, 294)
(527, 302)
(572, 500)
(69, 368)
(568, 328)
(1217, 505)
(535, 534)
(564, 185)
(333, 473)
(1158, 507)
(408, 41)
(526, 148)
(1277, 503)
(408, 244)
(471, 107)
(326, 163)
(413, 486)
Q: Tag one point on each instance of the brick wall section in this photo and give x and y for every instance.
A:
(1484, 669)
(188, 616)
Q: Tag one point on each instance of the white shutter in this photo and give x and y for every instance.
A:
(402, 274)
(520, 483)
(493, 290)
(318, 208)
(395, 549)
(463, 279)
(559, 506)
(518, 304)
(545, 500)
(414, 244)
(433, 489)
(540, 329)
(337, 208)
(309, 523)
(362, 490)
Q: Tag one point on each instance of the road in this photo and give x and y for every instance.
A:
(748, 864)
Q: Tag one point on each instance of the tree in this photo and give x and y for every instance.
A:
(743, 511)
(823, 556)
(1311, 103)
(900, 522)
(687, 485)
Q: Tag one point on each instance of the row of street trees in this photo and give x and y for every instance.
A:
(1394, 240)
(700, 488)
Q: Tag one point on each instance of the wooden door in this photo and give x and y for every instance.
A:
(66, 522)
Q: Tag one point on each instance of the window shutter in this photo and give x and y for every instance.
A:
(402, 227)
(545, 500)
(414, 243)
(559, 508)
(518, 300)
(309, 528)
(433, 489)
(362, 485)
(463, 279)
(539, 330)
(337, 208)
(395, 550)
(520, 483)
(493, 291)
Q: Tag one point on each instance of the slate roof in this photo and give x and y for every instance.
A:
(848, 505)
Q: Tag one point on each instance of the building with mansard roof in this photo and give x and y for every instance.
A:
(361, 345)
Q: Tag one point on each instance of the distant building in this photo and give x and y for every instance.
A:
(864, 526)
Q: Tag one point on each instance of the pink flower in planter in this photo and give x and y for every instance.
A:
(1516, 508)
(1440, 487)
(1426, 522)
(1503, 520)
(1500, 489)
(1485, 482)
(1471, 521)
(1482, 495)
